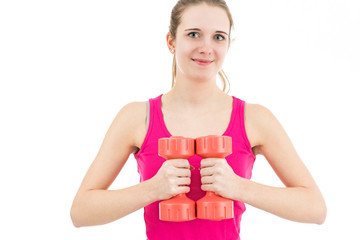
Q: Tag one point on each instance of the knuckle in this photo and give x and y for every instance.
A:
(216, 188)
(173, 190)
(203, 162)
(203, 179)
(182, 161)
(203, 172)
(168, 173)
(217, 178)
(186, 162)
(176, 161)
(219, 171)
(205, 187)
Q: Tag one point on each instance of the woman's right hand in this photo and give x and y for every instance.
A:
(172, 178)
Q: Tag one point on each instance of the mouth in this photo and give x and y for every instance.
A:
(202, 62)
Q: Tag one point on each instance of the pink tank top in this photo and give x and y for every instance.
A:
(241, 161)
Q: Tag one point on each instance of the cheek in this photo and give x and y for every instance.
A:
(221, 55)
(184, 49)
(183, 54)
(222, 52)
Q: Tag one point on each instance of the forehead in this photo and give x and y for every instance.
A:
(205, 17)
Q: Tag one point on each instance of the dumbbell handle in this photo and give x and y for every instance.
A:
(179, 208)
(212, 206)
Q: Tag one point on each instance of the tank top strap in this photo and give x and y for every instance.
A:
(156, 128)
(237, 129)
(158, 118)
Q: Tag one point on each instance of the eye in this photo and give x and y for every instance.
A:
(193, 35)
(219, 37)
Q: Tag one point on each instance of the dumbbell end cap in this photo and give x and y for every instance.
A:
(177, 209)
(176, 147)
(214, 146)
(214, 207)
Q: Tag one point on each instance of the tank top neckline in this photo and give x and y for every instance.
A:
(166, 130)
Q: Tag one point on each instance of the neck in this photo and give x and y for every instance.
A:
(194, 94)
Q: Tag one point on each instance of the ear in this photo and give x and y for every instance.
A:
(170, 41)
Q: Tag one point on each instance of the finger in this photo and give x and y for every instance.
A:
(180, 163)
(183, 181)
(208, 162)
(183, 189)
(207, 187)
(207, 171)
(207, 180)
(180, 172)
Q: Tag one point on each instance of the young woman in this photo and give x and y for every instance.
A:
(199, 39)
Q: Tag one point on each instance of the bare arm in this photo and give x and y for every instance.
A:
(300, 200)
(94, 204)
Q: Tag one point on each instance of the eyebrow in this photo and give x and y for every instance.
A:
(198, 29)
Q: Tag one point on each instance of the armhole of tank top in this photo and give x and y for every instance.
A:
(147, 115)
(243, 129)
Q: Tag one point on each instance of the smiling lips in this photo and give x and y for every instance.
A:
(202, 62)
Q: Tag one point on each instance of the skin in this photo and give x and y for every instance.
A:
(196, 107)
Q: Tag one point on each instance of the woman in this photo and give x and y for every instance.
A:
(199, 39)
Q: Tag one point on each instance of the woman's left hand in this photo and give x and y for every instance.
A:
(217, 176)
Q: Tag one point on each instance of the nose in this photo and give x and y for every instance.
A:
(206, 47)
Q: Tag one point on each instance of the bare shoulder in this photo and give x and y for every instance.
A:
(134, 109)
(132, 118)
(258, 113)
(258, 121)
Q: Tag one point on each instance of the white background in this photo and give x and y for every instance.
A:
(67, 68)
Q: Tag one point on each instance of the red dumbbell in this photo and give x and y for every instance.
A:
(179, 208)
(212, 206)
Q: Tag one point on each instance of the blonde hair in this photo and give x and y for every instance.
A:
(175, 20)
